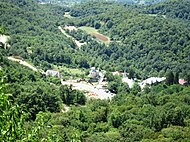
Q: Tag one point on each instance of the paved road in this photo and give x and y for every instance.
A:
(99, 93)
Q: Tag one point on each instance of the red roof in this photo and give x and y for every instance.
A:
(182, 81)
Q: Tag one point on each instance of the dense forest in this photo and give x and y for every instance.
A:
(145, 41)
(172, 9)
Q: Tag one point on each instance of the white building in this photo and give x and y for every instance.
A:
(96, 75)
(130, 82)
(151, 81)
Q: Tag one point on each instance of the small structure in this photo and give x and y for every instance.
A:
(70, 28)
(130, 82)
(151, 81)
(125, 79)
(182, 81)
(3, 41)
(94, 74)
(53, 73)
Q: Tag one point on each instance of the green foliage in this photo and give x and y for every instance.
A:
(142, 42)
(142, 45)
(172, 9)
(3, 30)
(11, 115)
(70, 96)
(154, 116)
(170, 78)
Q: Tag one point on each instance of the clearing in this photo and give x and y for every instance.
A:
(93, 92)
(94, 32)
(72, 72)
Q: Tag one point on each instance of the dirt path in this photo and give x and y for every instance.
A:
(78, 43)
(23, 63)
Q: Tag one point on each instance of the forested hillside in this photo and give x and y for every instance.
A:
(143, 41)
(172, 9)
(35, 35)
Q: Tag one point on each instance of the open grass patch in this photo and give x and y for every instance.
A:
(94, 32)
(70, 72)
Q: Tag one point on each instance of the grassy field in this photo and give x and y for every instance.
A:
(89, 30)
(70, 72)
(94, 32)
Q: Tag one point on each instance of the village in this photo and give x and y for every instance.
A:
(96, 85)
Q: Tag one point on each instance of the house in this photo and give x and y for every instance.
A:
(151, 81)
(182, 81)
(3, 41)
(130, 82)
(53, 73)
(96, 75)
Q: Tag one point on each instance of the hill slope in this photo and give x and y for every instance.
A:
(148, 43)
(172, 9)
(34, 33)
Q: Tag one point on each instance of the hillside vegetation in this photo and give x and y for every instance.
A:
(144, 41)
(35, 35)
(172, 9)
(147, 43)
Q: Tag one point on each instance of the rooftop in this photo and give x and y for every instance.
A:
(182, 81)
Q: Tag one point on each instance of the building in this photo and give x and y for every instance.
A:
(182, 81)
(53, 73)
(151, 81)
(96, 75)
(93, 73)
(130, 82)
